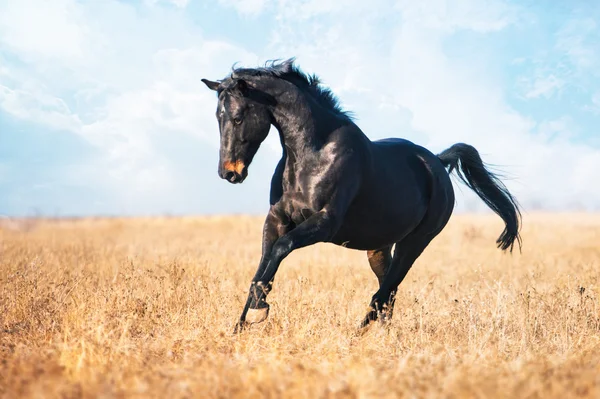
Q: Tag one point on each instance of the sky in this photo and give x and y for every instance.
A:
(103, 112)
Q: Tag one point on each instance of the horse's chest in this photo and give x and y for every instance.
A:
(297, 207)
(304, 195)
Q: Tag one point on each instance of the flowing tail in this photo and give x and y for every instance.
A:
(470, 168)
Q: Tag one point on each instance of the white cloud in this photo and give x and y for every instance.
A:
(561, 127)
(578, 39)
(568, 66)
(176, 3)
(543, 86)
(37, 29)
(39, 108)
(246, 7)
(447, 16)
(180, 3)
(594, 107)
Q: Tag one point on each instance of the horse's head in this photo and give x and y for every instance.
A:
(244, 122)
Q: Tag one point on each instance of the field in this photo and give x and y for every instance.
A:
(146, 307)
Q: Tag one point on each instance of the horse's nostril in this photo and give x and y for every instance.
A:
(230, 176)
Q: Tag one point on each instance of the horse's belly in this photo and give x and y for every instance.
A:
(378, 229)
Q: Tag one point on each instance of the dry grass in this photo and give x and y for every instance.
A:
(145, 308)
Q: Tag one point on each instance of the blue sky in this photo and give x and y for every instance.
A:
(102, 110)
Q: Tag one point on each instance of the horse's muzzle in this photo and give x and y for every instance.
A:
(234, 177)
(234, 172)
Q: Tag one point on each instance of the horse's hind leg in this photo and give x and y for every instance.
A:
(380, 260)
(405, 254)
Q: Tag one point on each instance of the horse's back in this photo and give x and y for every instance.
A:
(394, 151)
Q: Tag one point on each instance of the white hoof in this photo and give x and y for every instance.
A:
(257, 315)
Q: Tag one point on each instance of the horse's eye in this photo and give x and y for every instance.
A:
(237, 121)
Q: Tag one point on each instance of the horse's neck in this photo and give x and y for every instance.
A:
(297, 121)
(297, 141)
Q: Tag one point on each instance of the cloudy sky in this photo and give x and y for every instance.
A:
(102, 110)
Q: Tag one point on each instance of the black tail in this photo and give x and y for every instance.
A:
(470, 168)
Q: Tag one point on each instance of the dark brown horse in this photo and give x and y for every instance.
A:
(335, 185)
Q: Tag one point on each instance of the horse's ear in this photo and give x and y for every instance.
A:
(211, 85)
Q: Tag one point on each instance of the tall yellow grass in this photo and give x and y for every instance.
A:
(146, 307)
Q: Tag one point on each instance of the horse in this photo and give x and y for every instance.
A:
(335, 185)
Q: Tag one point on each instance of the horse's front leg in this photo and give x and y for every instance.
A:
(317, 228)
(274, 227)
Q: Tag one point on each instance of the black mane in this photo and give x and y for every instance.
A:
(288, 71)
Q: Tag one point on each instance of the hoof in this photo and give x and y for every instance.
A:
(257, 315)
(384, 319)
(369, 318)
